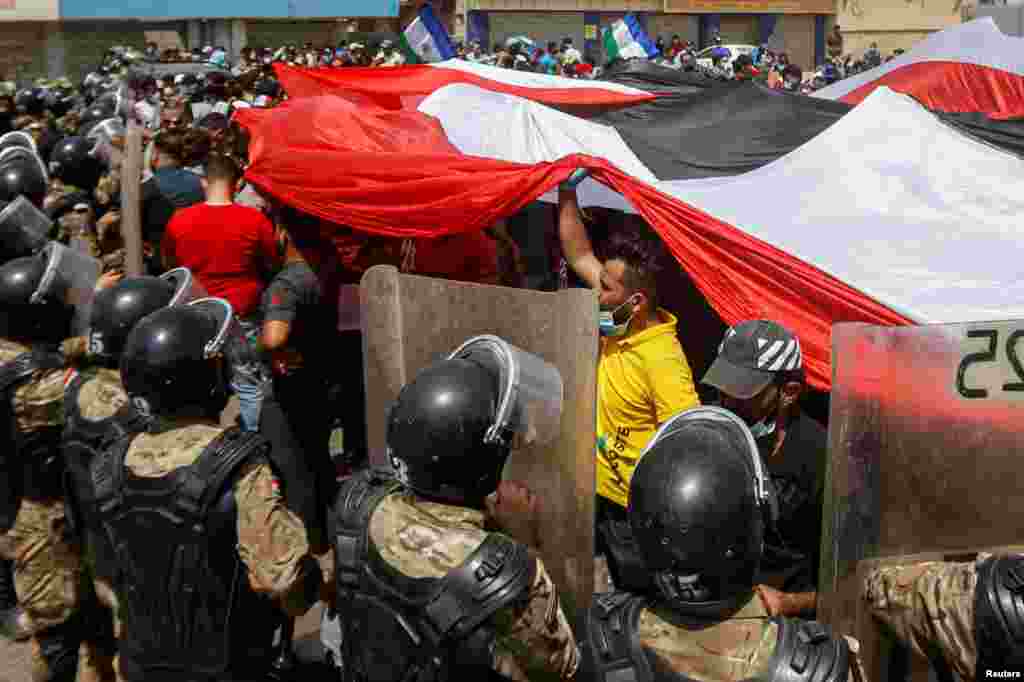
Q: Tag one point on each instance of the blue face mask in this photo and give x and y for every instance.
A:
(607, 325)
(763, 428)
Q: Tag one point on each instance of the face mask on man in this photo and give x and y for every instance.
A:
(614, 322)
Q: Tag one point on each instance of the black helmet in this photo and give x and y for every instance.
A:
(698, 507)
(437, 430)
(91, 117)
(31, 101)
(18, 138)
(22, 172)
(172, 358)
(23, 318)
(72, 162)
(117, 309)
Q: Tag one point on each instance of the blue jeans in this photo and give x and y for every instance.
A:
(250, 375)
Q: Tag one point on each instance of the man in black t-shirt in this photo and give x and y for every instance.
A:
(759, 375)
(298, 331)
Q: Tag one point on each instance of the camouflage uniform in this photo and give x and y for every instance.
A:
(428, 540)
(47, 567)
(739, 648)
(929, 604)
(271, 539)
(100, 397)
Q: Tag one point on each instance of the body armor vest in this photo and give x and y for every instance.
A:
(999, 614)
(84, 441)
(30, 463)
(189, 613)
(804, 652)
(397, 628)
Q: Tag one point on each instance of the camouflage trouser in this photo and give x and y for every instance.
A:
(48, 581)
(930, 606)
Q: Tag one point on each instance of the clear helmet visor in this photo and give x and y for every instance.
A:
(530, 404)
(101, 136)
(186, 287)
(70, 277)
(24, 229)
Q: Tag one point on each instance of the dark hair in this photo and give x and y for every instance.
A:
(643, 257)
(303, 228)
(220, 167)
(196, 145)
(171, 142)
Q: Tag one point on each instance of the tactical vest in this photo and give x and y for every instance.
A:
(189, 613)
(30, 463)
(84, 441)
(999, 614)
(805, 651)
(397, 628)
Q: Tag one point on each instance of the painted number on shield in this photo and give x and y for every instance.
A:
(991, 361)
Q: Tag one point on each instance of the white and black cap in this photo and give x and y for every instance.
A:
(751, 356)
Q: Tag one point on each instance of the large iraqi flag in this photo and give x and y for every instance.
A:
(885, 214)
(972, 67)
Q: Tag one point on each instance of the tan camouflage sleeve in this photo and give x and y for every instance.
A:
(533, 638)
(39, 403)
(928, 605)
(272, 541)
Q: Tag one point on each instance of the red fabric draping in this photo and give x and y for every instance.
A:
(394, 173)
(953, 87)
(404, 87)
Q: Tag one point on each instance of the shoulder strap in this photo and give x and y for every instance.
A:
(806, 651)
(108, 476)
(495, 574)
(22, 367)
(613, 652)
(203, 482)
(356, 500)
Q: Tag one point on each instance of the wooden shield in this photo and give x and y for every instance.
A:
(410, 322)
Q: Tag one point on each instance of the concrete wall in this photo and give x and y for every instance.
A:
(892, 24)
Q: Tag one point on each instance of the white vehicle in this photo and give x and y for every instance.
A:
(704, 56)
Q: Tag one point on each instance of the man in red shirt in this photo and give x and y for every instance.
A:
(232, 250)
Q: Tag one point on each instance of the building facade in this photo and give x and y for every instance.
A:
(895, 24)
(796, 27)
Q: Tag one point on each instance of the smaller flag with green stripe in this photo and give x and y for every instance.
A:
(425, 39)
(626, 39)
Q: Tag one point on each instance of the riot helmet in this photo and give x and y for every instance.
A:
(18, 138)
(31, 101)
(23, 229)
(451, 429)
(45, 297)
(173, 358)
(698, 508)
(22, 173)
(101, 138)
(93, 115)
(117, 309)
(72, 162)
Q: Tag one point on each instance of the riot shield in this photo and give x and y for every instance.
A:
(924, 462)
(24, 229)
(410, 321)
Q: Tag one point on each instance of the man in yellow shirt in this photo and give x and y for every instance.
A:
(643, 377)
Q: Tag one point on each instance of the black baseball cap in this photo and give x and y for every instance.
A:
(751, 356)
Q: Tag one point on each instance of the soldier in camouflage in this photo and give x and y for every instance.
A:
(429, 592)
(201, 602)
(97, 413)
(35, 316)
(966, 617)
(698, 507)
